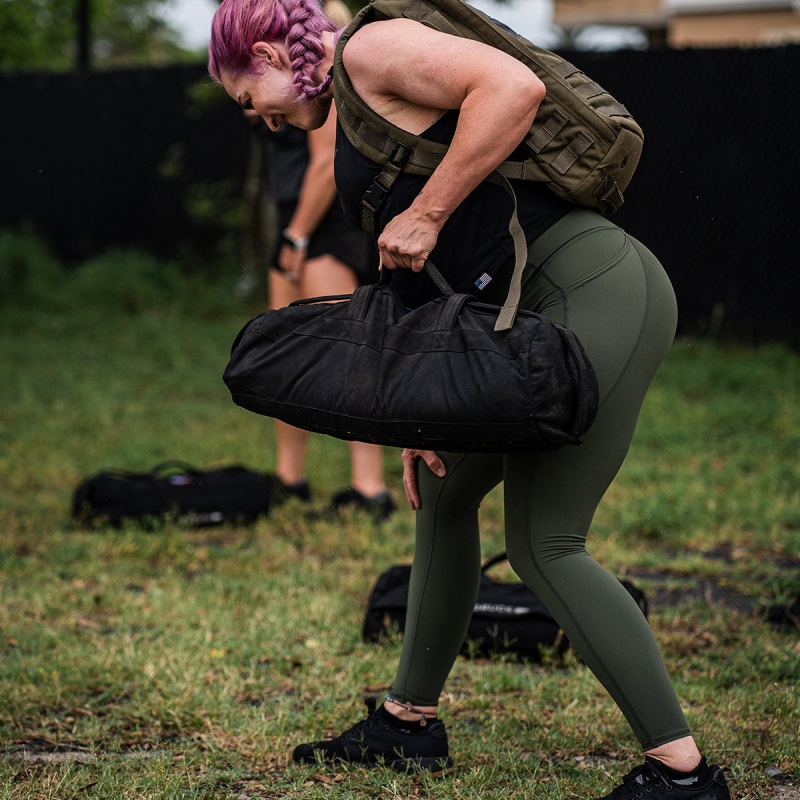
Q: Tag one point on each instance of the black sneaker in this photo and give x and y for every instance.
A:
(381, 505)
(657, 781)
(281, 492)
(382, 738)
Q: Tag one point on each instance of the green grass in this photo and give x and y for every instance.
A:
(186, 664)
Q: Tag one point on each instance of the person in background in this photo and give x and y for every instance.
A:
(276, 57)
(319, 252)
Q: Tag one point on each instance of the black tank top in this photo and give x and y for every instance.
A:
(287, 162)
(474, 246)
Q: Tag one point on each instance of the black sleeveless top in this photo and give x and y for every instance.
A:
(287, 162)
(474, 247)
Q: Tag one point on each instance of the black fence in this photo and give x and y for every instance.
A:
(715, 195)
(146, 157)
(140, 158)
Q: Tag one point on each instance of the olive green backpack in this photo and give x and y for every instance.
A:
(583, 144)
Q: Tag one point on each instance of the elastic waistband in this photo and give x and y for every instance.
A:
(575, 222)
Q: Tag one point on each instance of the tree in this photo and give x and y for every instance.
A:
(44, 34)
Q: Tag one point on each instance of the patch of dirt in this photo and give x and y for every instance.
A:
(786, 788)
(46, 751)
(676, 589)
(670, 588)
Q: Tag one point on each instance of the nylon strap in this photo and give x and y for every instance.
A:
(609, 192)
(544, 134)
(613, 110)
(565, 69)
(571, 153)
(508, 312)
(425, 154)
(376, 193)
(589, 90)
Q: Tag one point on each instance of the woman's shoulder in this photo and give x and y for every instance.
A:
(386, 34)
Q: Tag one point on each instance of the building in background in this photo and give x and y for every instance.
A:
(689, 23)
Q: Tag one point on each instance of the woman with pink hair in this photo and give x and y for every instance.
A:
(276, 57)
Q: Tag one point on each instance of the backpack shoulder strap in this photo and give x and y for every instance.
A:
(371, 134)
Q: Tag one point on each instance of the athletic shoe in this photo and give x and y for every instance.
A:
(281, 492)
(657, 781)
(382, 738)
(381, 505)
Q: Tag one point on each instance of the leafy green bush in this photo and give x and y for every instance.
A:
(119, 281)
(29, 273)
(123, 280)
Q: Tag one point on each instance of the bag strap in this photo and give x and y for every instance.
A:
(493, 560)
(508, 312)
(174, 465)
(328, 298)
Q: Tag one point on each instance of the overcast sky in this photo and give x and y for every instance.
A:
(531, 18)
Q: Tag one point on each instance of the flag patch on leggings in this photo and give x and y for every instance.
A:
(483, 281)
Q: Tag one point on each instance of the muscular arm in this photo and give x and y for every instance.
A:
(409, 73)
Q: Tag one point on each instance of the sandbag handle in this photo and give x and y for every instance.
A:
(437, 277)
(151, 474)
(493, 560)
(451, 309)
(174, 464)
(328, 298)
(507, 314)
(362, 297)
(432, 270)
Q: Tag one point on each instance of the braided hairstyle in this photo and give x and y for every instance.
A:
(299, 24)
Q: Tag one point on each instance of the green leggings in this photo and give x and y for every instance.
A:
(589, 275)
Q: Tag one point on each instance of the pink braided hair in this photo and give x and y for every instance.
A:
(299, 24)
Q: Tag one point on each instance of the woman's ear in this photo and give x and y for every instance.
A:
(267, 52)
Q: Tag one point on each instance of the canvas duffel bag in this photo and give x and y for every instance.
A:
(507, 617)
(440, 377)
(173, 491)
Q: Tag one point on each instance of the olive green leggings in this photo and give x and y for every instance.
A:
(589, 275)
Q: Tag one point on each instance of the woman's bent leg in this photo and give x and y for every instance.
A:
(621, 306)
(445, 574)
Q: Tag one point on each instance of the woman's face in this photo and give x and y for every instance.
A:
(271, 95)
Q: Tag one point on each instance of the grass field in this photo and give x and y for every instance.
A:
(186, 664)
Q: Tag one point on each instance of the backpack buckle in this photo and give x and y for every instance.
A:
(400, 155)
(376, 193)
(374, 197)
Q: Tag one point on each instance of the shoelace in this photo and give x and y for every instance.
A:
(638, 781)
(364, 724)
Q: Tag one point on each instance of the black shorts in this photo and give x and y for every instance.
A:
(337, 236)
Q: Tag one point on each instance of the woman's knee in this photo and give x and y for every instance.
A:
(467, 480)
(538, 561)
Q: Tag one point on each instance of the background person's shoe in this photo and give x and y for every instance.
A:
(657, 782)
(281, 492)
(382, 738)
(380, 505)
